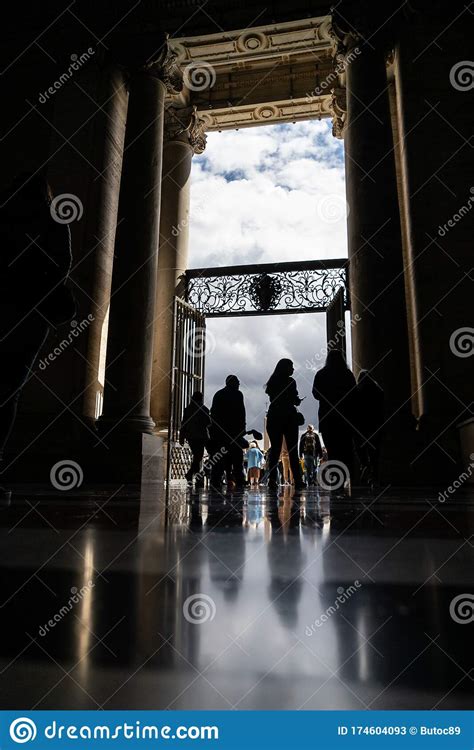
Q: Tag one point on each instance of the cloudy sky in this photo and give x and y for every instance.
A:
(260, 195)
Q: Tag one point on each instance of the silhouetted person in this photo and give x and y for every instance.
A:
(195, 429)
(369, 422)
(228, 426)
(334, 387)
(310, 451)
(35, 259)
(282, 420)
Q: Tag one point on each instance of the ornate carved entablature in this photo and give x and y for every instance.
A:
(186, 125)
(269, 74)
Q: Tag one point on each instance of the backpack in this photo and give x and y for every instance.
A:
(309, 443)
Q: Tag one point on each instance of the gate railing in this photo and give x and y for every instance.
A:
(187, 376)
(267, 288)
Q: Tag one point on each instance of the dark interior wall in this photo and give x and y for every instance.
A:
(438, 125)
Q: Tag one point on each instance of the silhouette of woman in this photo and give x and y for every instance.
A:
(35, 260)
(282, 420)
(334, 387)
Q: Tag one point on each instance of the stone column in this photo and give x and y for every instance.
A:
(184, 137)
(132, 306)
(380, 339)
(377, 283)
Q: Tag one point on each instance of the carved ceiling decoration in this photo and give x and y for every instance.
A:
(277, 73)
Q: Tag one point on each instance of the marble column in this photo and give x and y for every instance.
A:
(132, 305)
(184, 137)
(380, 338)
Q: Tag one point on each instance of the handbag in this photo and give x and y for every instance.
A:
(300, 420)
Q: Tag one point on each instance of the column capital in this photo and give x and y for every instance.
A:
(148, 53)
(339, 111)
(185, 125)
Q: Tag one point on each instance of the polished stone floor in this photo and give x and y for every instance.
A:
(115, 599)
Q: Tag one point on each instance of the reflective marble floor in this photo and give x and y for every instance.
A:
(112, 599)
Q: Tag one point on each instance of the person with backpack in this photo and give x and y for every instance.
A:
(310, 451)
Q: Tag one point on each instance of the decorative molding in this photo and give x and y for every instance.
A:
(244, 116)
(246, 46)
(339, 111)
(185, 125)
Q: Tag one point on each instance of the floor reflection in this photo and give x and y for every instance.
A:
(250, 600)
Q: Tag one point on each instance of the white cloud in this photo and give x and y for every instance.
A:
(263, 195)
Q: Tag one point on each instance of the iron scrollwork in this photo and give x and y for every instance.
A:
(268, 288)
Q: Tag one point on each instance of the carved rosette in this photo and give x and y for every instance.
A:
(187, 126)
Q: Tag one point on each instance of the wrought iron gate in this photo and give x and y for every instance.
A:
(336, 324)
(187, 376)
